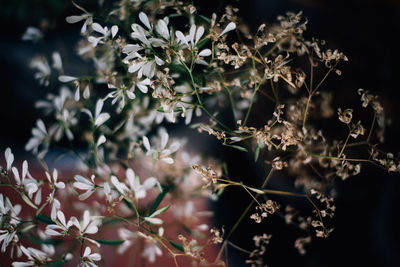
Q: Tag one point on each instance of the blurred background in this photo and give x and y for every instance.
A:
(366, 228)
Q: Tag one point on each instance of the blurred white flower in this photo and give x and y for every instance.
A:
(83, 183)
(138, 189)
(99, 117)
(89, 258)
(162, 152)
(32, 34)
(28, 183)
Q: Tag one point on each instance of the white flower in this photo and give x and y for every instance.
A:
(89, 258)
(7, 208)
(29, 184)
(61, 227)
(85, 16)
(32, 34)
(127, 236)
(105, 32)
(88, 225)
(35, 256)
(83, 183)
(162, 152)
(99, 118)
(43, 70)
(6, 237)
(138, 189)
(39, 139)
(195, 34)
(151, 250)
(53, 180)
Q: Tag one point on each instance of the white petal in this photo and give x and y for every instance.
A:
(95, 257)
(231, 26)
(61, 218)
(150, 182)
(205, 53)
(66, 79)
(77, 95)
(164, 139)
(159, 61)
(130, 48)
(86, 195)
(99, 107)
(82, 186)
(192, 32)
(168, 160)
(98, 28)
(92, 228)
(130, 175)
(199, 33)
(24, 169)
(145, 20)
(9, 158)
(74, 19)
(146, 143)
(153, 220)
(181, 37)
(102, 139)
(16, 175)
(114, 30)
(57, 63)
(135, 66)
(101, 119)
(142, 88)
(162, 29)
(41, 126)
(86, 92)
(117, 184)
(87, 252)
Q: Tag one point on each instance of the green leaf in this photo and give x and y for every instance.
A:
(47, 241)
(27, 228)
(159, 211)
(44, 219)
(158, 200)
(110, 242)
(28, 201)
(203, 42)
(256, 153)
(177, 246)
(225, 169)
(237, 147)
(205, 19)
(128, 204)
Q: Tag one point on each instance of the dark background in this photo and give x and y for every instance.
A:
(366, 230)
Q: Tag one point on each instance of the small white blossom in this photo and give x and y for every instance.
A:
(162, 152)
(28, 183)
(99, 117)
(32, 34)
(39, 142)
(138, 189)
(83, 183)
(89, 258)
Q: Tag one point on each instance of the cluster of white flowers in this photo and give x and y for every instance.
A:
(130, 174)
